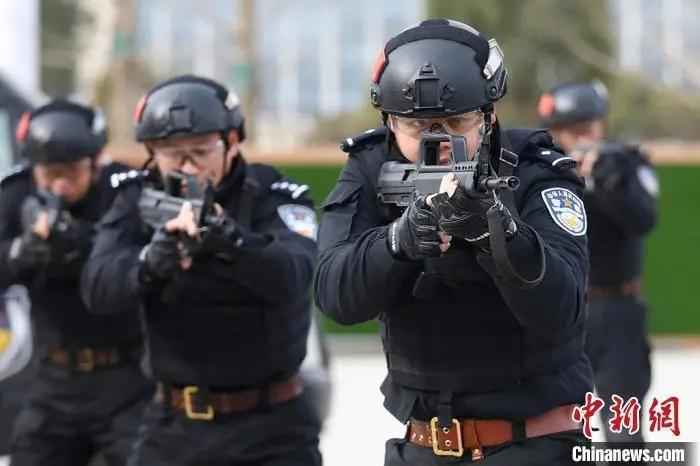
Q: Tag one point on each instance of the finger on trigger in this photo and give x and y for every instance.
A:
(186, 210)
(41, 225)
(188, 219)
(185, 263)
(448, 184)
(444, 237)
(173, 225)
(218, 209)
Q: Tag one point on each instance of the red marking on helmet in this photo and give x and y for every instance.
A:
(545, 107)
(378, 67)
(138, 111)
(23, 127)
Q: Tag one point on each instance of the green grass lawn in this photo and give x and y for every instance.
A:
(672, 280)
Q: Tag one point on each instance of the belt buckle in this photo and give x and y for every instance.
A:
(85, 360)
(459, 452)
(206, 415)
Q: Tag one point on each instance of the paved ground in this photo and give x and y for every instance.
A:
(358, 425)
(357, 403)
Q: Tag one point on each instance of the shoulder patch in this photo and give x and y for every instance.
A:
(567, 210)
(300, 219)
(13, 173)
(557, 160)
(289, 188)
(647, 178)
(118, 180)
(362, 140)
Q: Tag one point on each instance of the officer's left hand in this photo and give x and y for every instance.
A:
(223, 238)
(464, 215)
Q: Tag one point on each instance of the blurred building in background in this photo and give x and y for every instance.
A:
(300, 63)
(315, 58)
(659, 39)
(308, 56)
(19, 71)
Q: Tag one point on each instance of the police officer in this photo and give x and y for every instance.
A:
(88, 390)
(482, 367)
(620, 197)
(226, 310)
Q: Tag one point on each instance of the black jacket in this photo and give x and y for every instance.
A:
(227, 325)
(499, 351)
(60, 317)
(621, 203)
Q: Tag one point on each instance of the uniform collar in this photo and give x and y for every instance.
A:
(233, 180)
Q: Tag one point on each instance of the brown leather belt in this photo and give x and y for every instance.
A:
(198, 406)
(474, 434)
(86, 359)
(629, 288)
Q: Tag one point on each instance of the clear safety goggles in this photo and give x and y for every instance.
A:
(457, 125)
(198, 154)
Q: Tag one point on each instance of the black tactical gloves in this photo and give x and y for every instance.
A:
(61, 254)
(616, 162)
(161, 257)
(222, 238)
(464, 215)
(167, 251)
(28, 254)
(414, 235)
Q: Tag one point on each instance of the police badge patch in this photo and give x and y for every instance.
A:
(300, 219)
(566, 209)
(647, 178)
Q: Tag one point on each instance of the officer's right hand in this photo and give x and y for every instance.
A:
(31, 251)
(415, 234)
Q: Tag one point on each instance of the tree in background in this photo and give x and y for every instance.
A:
(548, 41)
(544, 41)
(60, 19)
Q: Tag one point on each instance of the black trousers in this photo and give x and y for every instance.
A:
(618, 348)
(284, 434)
(68, 417)
(12, 395)
(555, 449)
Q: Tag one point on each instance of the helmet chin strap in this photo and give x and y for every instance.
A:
(485, 132)
(227, 147)
(150, 159)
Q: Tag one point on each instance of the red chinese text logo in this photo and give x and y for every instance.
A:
(664, 415)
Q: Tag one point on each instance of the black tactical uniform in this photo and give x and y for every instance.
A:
(87, 391)
(620, 198)
(461, 341)
(225, 338)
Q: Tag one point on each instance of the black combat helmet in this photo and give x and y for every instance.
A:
(438, 68)
(61, 131)
(188, 105)
(573, 103)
